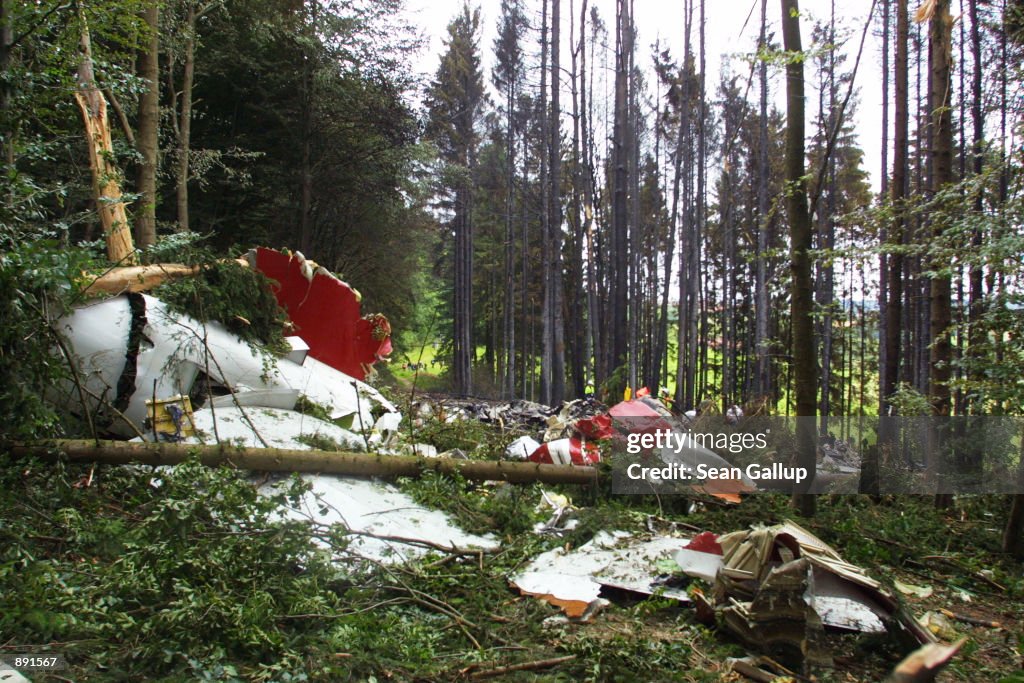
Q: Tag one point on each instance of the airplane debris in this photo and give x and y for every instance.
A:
(325, 313)
(779, 586)
(521, 448)
(386, 525)
(572, 580)
(925, 663)
(910, 589)
(131, 349)
(567, 452)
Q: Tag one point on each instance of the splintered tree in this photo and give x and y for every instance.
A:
(105, 175)
(455, 100)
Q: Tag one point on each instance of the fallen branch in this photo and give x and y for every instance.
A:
(752, 672)
(142, 278)
(975, 574)
(285, 460)
(524, 666)
(968, 619)
(449, 549)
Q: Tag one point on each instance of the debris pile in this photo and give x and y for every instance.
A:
(837, 455)
(778, 587)
(146, 372)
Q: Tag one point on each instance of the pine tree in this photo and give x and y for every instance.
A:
(455, 102)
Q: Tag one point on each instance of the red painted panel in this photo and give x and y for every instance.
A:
(325, 313)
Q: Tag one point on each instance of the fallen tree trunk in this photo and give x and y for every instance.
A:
(283, 460)
(138, 278)
(143, 278)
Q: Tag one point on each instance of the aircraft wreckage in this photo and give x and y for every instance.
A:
(146, 373)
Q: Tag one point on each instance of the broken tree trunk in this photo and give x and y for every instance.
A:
(138, 278)
(283, 460)
(105, 176)
(143, 278)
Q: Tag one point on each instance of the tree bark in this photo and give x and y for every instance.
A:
(801, 242)
(939, 101)
(976, 335)
(553, 372)
(594, 310)
(185, 120)
(696, 315)
(284, 460)
(893, 273)
(762, 373)
(6, 45)
(901, 116)
(620, 247)
(883, 257)
(105, 175)
(148, 133)
(578, 337)
(547, 339)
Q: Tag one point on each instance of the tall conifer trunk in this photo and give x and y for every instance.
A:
(801, 242)
(148, 129)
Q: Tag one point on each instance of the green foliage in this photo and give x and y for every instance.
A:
(471, 436)
(38, 282)
(47, 186)
(319, 442)
(273, 80)
(240, 298)
(508, 509)
(631, 657)
(909, 402)
(183, 573)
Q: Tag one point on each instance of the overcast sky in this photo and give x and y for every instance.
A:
(662, 20)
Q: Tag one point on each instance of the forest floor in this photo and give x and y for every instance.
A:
(197, 579)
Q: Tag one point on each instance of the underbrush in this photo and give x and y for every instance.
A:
(185, 573)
